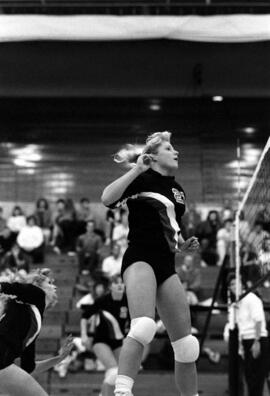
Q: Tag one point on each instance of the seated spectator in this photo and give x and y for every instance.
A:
(31, 240)
(111, 265)
(263, 216)
(250, 269)
(6, 241)
(43, 217)
(207, 234)
(264, 256)
(190, 221)
(65, 227)
(224, 237)
(15, 260)
(257, 236)
(87, 247)
(120, 232)
(190, 277)
(16, 222)
(84, 214)
(227, 211)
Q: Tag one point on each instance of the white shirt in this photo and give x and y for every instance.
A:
(250, 311)
(16, 223)
(112, 266)
(30, 237)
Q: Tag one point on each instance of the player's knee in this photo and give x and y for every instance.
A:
(110, 376)
(143, 329)
(186, 349)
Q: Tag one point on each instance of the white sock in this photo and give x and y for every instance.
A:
(123, 383)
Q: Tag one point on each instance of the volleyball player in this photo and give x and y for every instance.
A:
(112, 325)
(156, 203)
(22, 305)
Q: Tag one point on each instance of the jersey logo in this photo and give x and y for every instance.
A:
(179, 196)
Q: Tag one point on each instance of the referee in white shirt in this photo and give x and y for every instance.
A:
(253, 336)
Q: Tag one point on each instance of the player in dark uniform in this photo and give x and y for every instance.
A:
(21, 311)
(112, 324)
(156, 203)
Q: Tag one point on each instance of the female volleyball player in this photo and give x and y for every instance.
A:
(113, 323)
(22, 305)
(156, 203)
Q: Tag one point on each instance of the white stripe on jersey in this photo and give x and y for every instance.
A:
(38, 319)
(170, 211)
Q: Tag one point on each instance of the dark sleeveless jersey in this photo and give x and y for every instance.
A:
(113, 315)
(156, 204)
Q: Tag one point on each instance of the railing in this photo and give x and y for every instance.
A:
(139, 7)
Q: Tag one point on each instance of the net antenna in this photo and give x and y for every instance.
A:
(252, 219)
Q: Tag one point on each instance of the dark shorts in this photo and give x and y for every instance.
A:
(113, 344)
(162, 262)
(7, 356)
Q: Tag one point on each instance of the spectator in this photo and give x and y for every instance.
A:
(65, 227)
(190, 277)
(87, 247)
(190, 221)
(15, 260)
(16, 222)
(250, 269)
(224, 237)
(207, 235)
(120, 232)
(43, 217)
(227, 211)
(31, 240)
(84, 214)
(257, 236)
(6, 241)
(111, 265)
(263, 216)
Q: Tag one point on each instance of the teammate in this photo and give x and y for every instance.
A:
(156, 203)
(22, 305)
(112, 325)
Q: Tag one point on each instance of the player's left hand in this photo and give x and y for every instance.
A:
(190, 244)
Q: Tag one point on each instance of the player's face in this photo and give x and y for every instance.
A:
(166, 156)
(118, 286)
(51, 292)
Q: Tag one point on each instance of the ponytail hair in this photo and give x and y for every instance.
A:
(129, 154)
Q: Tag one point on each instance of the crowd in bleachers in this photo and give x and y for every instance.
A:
(69, 228)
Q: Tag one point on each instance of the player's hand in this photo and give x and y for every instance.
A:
(190, 245)
(256, 349)
(143, 162)
(66, 348)
(87, 342)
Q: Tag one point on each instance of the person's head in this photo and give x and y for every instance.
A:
(60, 205)
(231, 284)
(17, 211)
(117, 286)
(228, 223)
(213, 216)
(31, 221)
(160, 152)
(188, 262)
(99, 289)
(266, 244)
(43, 278)
(116, 250)
(85, 203)
(42, 204)
(90, 226)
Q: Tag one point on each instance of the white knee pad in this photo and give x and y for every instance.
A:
(110, 376)
(142, 329)
(186, 349)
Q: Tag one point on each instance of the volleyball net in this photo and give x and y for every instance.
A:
(252, 227)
